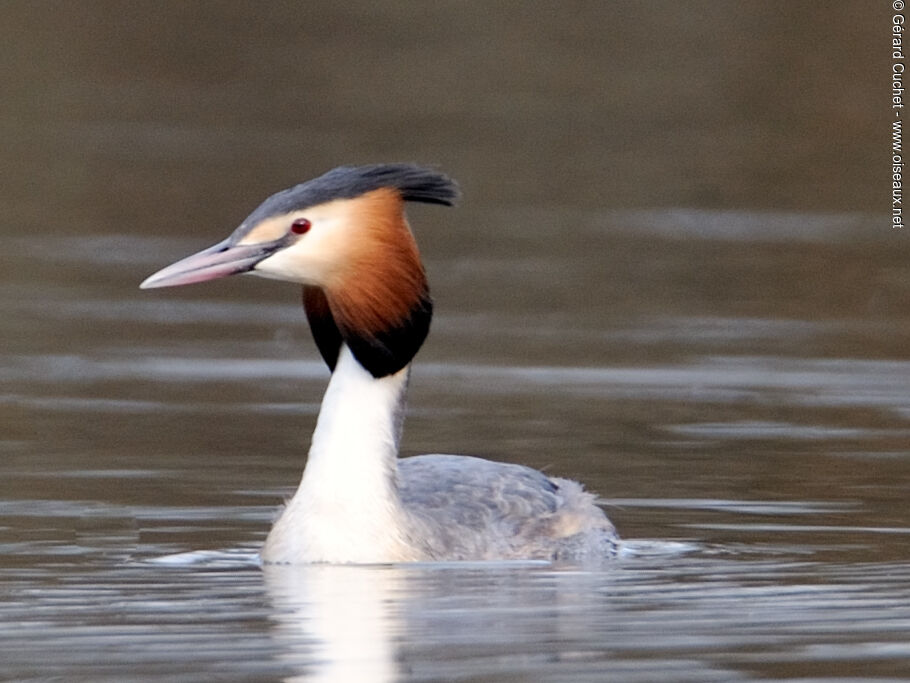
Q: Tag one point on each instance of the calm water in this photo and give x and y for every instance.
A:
(697, 308)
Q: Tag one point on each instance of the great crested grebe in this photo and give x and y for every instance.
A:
(345, 238)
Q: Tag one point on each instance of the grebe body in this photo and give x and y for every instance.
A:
(344, 237)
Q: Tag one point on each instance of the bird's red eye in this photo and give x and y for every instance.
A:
(300, 226)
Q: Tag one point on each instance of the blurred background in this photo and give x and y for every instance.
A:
(672, 274)
(641, 185)
(642, 188)
(768, 105)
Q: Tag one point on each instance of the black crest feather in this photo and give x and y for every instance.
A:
(415, 183)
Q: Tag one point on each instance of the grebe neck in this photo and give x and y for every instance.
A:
(347, 508)
(359, 426)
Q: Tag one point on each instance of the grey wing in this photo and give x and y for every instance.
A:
(463, 507)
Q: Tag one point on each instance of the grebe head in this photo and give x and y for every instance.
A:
(344, 237)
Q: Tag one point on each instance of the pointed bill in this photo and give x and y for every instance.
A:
(219, 260)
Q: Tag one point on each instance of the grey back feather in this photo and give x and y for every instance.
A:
(462, 507)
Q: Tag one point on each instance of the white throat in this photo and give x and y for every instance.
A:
(347, 507)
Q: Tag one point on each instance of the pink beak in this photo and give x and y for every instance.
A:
(219, 260)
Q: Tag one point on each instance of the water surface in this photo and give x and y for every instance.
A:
(671, 278)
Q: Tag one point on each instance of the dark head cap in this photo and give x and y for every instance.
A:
(414, 183)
